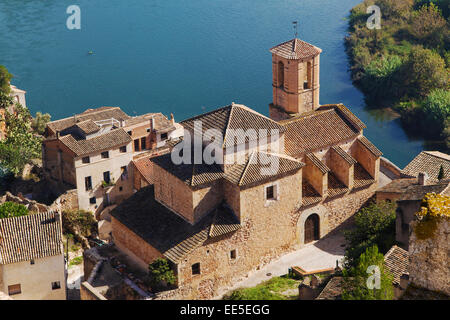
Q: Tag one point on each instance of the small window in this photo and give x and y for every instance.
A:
(88, 183)
(130, 132)
(148, 130)
(32, 261)
(56, 285)
(123, 149)
(14, 289)
(164, 136)
(233, 254)
(86, 160)
(143, 144)
(107, 177)
(105, 154)
(93, 200)
(120, 188)
(136, 145)
(124, 173)
(270, 193)
(196, 268)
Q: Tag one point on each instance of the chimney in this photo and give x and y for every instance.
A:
(122, 123)
(423, 178)
(57, 134)
(172, 120)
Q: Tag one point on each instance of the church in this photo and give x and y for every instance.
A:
(216, 222)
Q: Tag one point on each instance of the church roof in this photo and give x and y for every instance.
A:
(296, 49)
(326, 126)
(235, 117)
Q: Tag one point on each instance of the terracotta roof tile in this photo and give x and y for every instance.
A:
(114, 138)
(417, 192)
(30, 237)
(362, 178)
(333, 289)
(145, 168)
(98, 114)
(429, 162)
(344, 155)
(160, 120)
(396, 261)
(319, 164)
(88, 126)
(295, 49)
(326, 126)
(335, 186)
(309, 194)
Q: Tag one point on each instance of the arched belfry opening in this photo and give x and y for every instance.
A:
(280, 74)
(312, 228)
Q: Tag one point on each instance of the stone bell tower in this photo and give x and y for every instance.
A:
(295, 69)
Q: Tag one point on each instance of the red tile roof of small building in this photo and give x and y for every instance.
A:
(295, 49)
(396, 261)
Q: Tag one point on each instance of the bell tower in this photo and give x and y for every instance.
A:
(295, 73)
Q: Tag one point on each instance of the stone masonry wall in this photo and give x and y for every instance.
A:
(428, 258)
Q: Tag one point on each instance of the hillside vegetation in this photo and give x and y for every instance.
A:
(405, 64)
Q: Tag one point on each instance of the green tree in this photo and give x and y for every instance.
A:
(374, 225)
(40, 122)
(11, 209)
(428, 26)
(441, 173)
(79, 222)
(20, 145)
(357, 282)
(436, 108)
(426, 71)
(5, 78)
(161, 273)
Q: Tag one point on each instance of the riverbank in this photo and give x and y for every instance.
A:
(404, 65)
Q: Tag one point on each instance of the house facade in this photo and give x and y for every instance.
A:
(19, 97)
(32, 263)
(93, 152)
(276, 183)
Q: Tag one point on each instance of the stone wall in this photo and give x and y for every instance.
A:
(428, 258)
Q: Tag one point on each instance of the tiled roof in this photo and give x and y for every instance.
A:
(145, 168)
(258, 168)
(114, 138)
(429, 162)
(88, 126)
(191, 174)
(98, 114)
(160, 120)
(309, 194)
(396, 261)
(167, 232)
(362, 178)
(326, 126)
(29, 237)
(366, 143)
(235, 117)
(335, 187)
(417, 191)
(344, 155)
(333, 289)
(295, 49)
(398, 185)
(319, 164)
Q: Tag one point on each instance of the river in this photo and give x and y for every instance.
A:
(178, 56)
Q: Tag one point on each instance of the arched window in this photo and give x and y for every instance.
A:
(280, 74)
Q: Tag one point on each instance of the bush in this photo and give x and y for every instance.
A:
(40, 122)
(79, 222)
(11, 209)
(5, 78)
(436, 108)
(161, 274)
(374, 225)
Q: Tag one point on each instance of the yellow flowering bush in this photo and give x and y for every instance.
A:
(434, 206)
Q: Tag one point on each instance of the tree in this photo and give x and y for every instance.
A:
(11, 209)
(161, 273)
(374, 225)
(357, 284)
(40, 122)
(428, 25)
(426, 71)
(436, 108)
(5, 78)
(441, 174)
(394, 8)
(20, 145)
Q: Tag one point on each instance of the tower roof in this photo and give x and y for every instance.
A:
(295, 49)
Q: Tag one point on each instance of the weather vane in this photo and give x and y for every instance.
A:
(295, 23)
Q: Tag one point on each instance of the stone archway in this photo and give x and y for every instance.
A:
(312, 228)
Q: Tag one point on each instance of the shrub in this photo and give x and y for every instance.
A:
(161, 274)
(427, 25)
(436, 108)
(11, 209)
(374, 225)
(79, 222)
(433, 207)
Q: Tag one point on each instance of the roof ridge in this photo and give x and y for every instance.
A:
(85, 114)
(431, 153)
(246, 168)
(228, 124)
